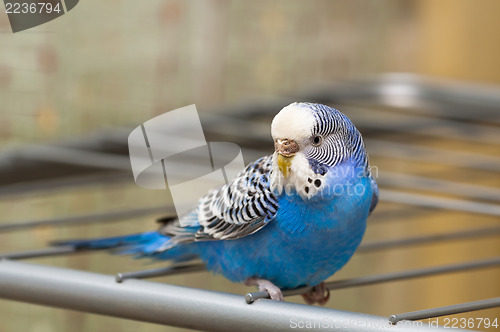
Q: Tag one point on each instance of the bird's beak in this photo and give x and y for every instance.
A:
(284, 164)
(286, 150)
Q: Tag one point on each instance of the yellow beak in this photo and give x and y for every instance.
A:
(284, 164)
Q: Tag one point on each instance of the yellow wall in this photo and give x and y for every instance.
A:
(460, 39)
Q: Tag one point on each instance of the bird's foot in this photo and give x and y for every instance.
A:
(318, 294)
(266, 286)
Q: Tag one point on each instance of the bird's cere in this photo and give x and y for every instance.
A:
(286, 147)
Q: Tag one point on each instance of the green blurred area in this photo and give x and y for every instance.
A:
(116, 63)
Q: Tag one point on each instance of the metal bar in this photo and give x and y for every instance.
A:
(439, 202)
(416, 273)
(159, 272)
(447, 310)
(421, 153)
(468, 190)
(387, 277)
(422, 125)
(85, 218)
(408, 92)
(410, 241)
(54, 251)
(74, 156)
(67, 182)
(173, 305)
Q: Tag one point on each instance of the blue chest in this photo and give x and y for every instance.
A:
(319, 236)
(305, 243)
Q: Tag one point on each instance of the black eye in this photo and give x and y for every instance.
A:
(317, 140)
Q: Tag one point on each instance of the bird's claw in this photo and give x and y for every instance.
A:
(266, 286)
(318, 294)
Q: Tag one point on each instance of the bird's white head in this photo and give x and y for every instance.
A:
(309, 139)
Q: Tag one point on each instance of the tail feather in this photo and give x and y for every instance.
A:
(145, 240)
(139, 245)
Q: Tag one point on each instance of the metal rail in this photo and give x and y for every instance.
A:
(45, 252)
(397, 196)
(472, 191)
(422, 125)
(174, 305)
(419, 153)
(447, 310)
(431, 238)
(117, 215)
(159, 272)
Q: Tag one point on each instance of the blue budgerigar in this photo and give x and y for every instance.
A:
(290, 219)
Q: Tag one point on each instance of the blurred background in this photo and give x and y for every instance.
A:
(113, 64)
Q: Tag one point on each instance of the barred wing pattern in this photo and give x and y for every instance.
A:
(232, 211)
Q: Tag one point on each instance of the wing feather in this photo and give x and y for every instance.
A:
(232, 211)
(240, 208)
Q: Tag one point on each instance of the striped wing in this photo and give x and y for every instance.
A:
(232, 211)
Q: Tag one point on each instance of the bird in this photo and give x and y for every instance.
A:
(289, 219)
